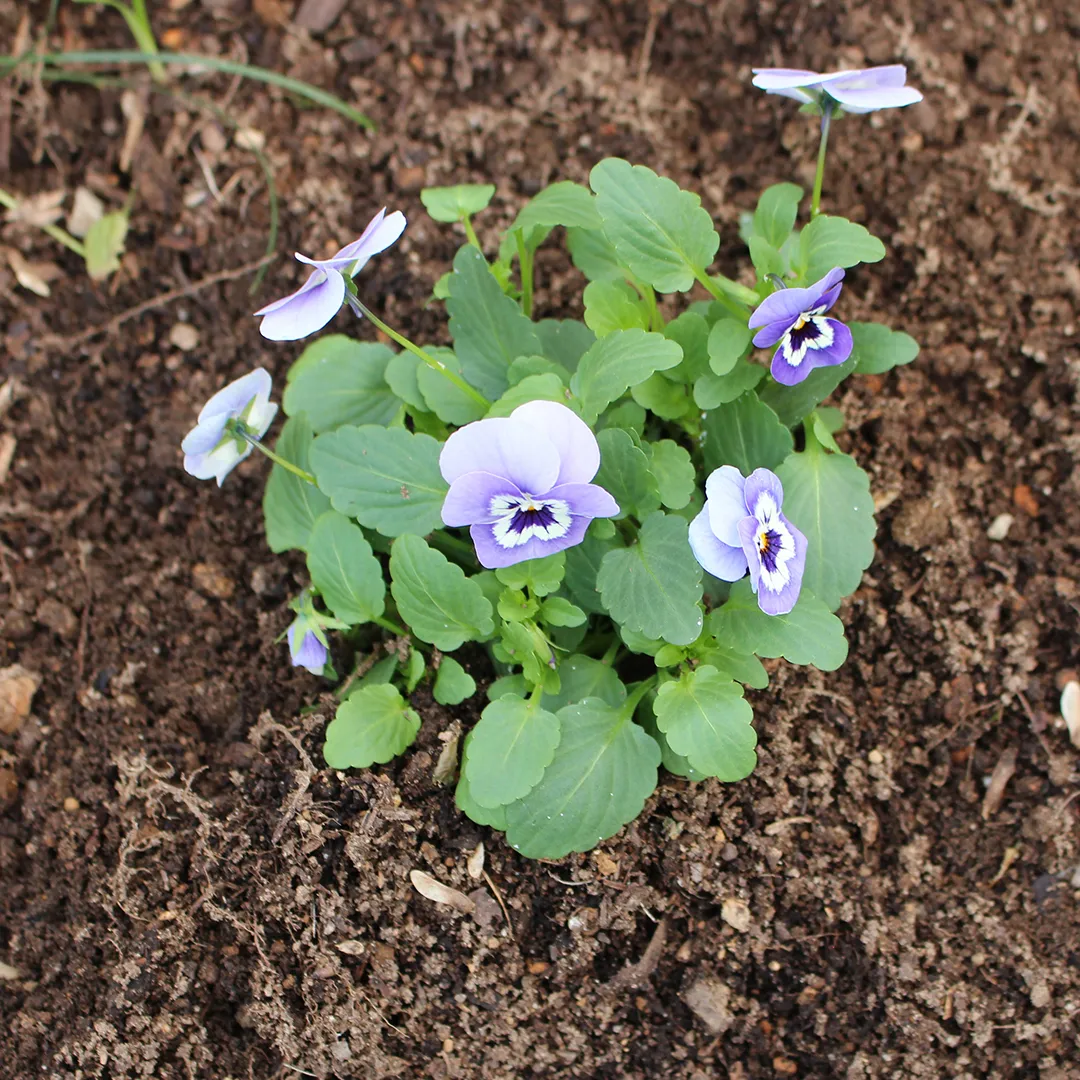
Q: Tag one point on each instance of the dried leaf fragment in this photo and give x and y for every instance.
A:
(736, 913)
(999, 778)
(86, 209)
(8, 972)
(32, 276)
(475, 865)
(17, 688)
(439, 893)
(1070, 710)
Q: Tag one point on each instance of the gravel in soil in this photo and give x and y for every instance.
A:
(186, 893)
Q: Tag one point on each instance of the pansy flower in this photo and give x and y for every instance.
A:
(522, 483)
(307, 644)
(854, 91)
(212, 451)
(794, 320)
(317, 301)
(741, 528)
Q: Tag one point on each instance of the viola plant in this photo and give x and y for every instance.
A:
(608, 523)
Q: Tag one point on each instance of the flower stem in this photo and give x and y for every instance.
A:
(525, 260)
(60, 235)
(470, 233)
(826, 117)
(725, 290)
(431, 361)
(237, 428)
(389, 624)
(451, 545)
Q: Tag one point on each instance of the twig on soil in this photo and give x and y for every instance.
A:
(635, 974)
(498, 896)
(117, 321)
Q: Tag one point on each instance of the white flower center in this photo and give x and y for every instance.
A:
(810, 331)
(774, 543)
(523, 517)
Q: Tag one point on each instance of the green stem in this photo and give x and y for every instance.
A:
(611, 652)
(470, 233)
(60, 235)
(724, 289)
(234, 427)
(635, 696)
(451, 545)
(819, 177)
(525, 260)
(431, 361)
(656, 320)
(138, 20)
(389, 624)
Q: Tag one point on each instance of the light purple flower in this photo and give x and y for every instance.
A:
(305, 647)
(854, 91)
(741, 528)
(795, 318)
(522, 483)
(317, 301)
(212, 452)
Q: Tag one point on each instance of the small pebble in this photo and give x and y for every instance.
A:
(1000, 526)
(71, 804)
(184, 336)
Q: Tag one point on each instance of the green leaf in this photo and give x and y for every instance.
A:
(624, 472)
(776, 211)
(558, 611)
(346, 385)
(834, 241)
(827, 496)
(371, 726)
(583, 677)
(344, 570)
(441, 289)
(414, 670)
(654, 587)
(737, 665)
(660, 232)
(324, 349)
(488, 328)
(808, 634)
(674, 471)
(668, 400)
(447, 401)
(561, 203)
(104, 244)
(564, 340)
(524, 366)
(674, 763)
(401, 376)
(386, 478)
(546, 387)
(706, 719)
(594, 255)
(511, 746)
(604, 769)
(766, 259)
(583, 565)
(691, 331)
(493, 816)
(728, 341)
(615, 363)
(711, 391)
(879, 349)
(747, 434)
(792, 403)
(450, 204)
(541, 576)
(614, 305)
(291, 505)
(439, 603)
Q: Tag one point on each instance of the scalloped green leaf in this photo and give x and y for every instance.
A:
(511, 746)
(827, 496)
(745, 433)
(776, 211)
(453, 684)
(582, 677)
(450, 204)
(371, 726)
(495, 817)
(827, 242)
(793, 403)
(604, 769)
(613, 305)
(615, 363)
(712, 391)
(706, 720)
(654, 587)
(441, 605)
(674, 471)
(344, 569)
(448, 402)
(291, 505)
(659, 231)
(728, 341)
(809, 634)
(562, 203)
(386, 478)
(625, 474)
(879, 349)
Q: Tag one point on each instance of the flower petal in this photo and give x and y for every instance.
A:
(202, 438)
(863, 101)
(835, 352)
(721, 560)
(763, 483)
(231, 400)
(585, 500)
(493, 555)
(381, 232)
(789, 304)
(504, 447)
(311, 653)
(309, 309)
(781, 602)
(579, 452)
(773, 79)
(883, 76)
(725, 503)
(468, 502)
(218, 463)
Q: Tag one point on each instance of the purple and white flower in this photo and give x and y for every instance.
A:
(317, 301)
(854, 91)
(522, 483)
(211, 451)
(307, 644)
(794, 319)
(741, 528)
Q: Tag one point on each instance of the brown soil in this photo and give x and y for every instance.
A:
(185, 893)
